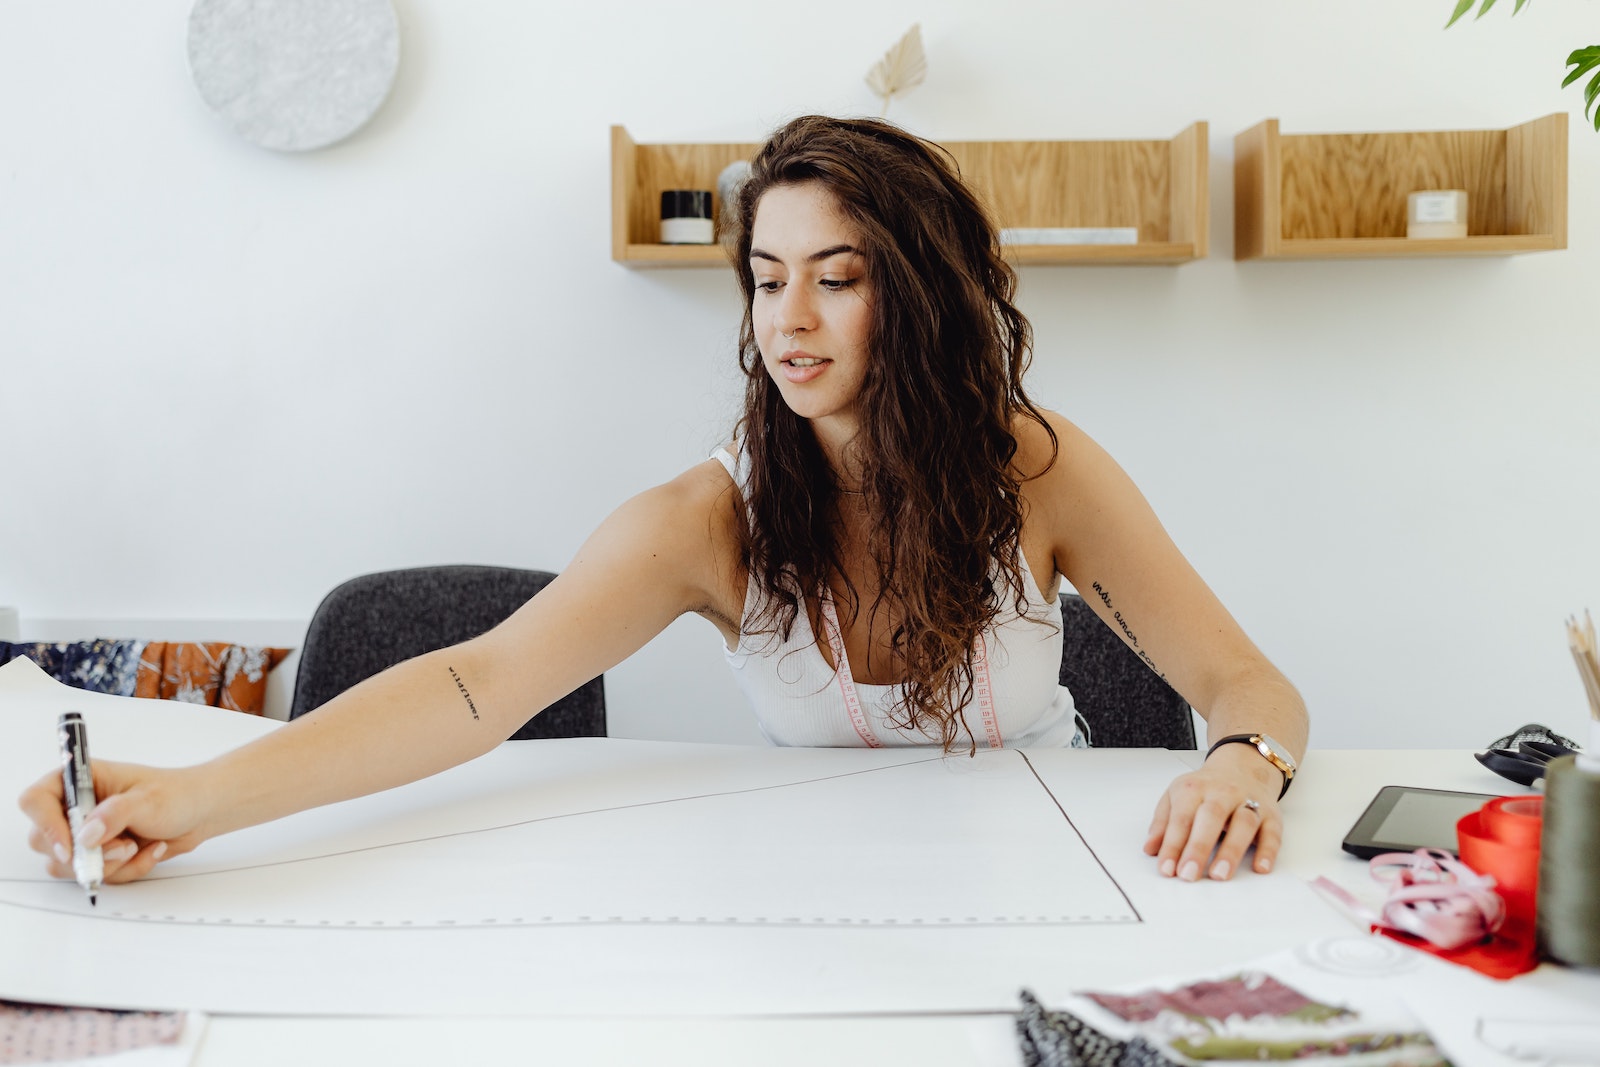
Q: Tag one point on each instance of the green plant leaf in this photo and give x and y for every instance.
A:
(1582, 61)
(1463, 6)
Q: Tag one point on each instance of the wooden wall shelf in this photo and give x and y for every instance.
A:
(1343, 195)
(1158, 186)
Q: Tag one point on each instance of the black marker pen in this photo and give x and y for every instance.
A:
(88, 865)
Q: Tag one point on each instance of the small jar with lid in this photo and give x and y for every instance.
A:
(686, 217)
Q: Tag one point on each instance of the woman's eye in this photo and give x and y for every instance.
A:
(768, 287)
(836, 284)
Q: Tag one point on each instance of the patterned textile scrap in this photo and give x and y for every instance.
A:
(1243, 995)
(100, 666)
(39, 1033)
(1248, 1017)
(1061, 1039)
(214, 673)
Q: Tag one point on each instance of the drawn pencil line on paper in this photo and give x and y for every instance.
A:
(1025, 915)
(1086, 846)
(176, 875)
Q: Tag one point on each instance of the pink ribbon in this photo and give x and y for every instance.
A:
(1432, 895)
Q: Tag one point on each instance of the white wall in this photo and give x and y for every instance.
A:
(230, 379)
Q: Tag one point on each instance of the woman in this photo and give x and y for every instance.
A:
(880, 548)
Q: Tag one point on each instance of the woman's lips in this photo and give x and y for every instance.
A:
(801, 366)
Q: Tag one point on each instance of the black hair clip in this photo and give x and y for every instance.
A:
(1536, 745)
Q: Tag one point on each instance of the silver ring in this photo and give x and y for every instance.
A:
(1253, 805)
(790, 335)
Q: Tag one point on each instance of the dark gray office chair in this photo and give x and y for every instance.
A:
(1125, 703)
(377, 620)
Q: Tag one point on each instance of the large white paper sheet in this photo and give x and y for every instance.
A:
(595, 877)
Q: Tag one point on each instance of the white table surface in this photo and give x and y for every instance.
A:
(1331, 792)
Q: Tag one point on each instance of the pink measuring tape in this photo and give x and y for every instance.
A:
(982, 691)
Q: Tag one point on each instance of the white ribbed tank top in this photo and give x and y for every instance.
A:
(798, 701)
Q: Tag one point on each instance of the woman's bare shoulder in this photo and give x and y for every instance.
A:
(1043, 448)
(701, 499)
(694, 520)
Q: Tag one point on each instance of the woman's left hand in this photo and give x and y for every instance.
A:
(1225, 806)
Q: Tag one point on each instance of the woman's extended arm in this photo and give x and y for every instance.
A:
(1109, 544)
(659, 555)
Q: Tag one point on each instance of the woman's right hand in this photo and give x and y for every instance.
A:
(145, 814)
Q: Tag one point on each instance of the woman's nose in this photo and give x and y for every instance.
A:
(795, 312)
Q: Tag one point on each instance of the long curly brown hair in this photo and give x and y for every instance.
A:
(948, 350)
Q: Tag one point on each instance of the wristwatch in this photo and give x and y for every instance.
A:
(1272, 751)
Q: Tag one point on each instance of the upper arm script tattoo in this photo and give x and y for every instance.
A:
(1127, 631)
(463, 687)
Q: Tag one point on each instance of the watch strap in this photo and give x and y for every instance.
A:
(1256, 741)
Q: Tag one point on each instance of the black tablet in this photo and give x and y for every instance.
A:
(1402, 818)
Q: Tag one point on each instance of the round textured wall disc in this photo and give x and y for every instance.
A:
(294, 74)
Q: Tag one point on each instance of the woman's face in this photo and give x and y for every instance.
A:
(812, 304)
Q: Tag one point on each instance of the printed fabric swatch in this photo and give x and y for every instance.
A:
(221, 675)
(40, 1033)
(213, 672)
(1061, 1039)
(1250, 1017)
(1247, 997)
(100, 666)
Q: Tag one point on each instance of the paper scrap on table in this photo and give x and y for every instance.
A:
(1549, 1016)
(1566, 1041)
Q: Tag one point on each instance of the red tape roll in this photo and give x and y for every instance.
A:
(1502, 840)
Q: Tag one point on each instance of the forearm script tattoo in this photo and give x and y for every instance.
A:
(1127, 631)
(468, 696)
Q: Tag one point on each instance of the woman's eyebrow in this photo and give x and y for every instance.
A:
(815, 257)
